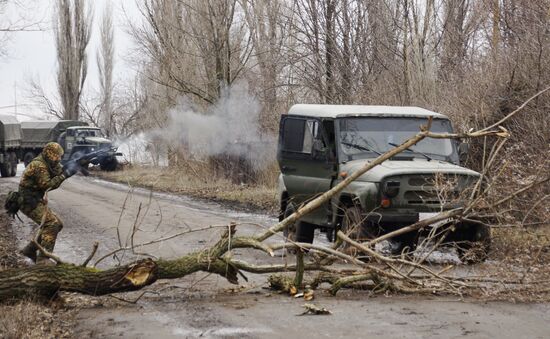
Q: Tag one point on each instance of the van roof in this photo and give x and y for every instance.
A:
(83, 127)
(338, 111)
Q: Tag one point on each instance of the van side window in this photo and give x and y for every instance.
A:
(298, 135)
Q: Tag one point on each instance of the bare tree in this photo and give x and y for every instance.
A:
(196, 46)
(15, 23)
(72, 34)
(44, 102)
(268, 31)
(105, 63)
(3, 29)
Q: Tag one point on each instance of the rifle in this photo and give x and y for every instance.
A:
(80, 163)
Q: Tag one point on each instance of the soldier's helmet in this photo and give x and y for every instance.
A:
(53, 152)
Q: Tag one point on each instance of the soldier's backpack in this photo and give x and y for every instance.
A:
(12, 203)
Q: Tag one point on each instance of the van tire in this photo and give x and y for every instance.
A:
(475, 246)
(352, 223)
(109, 165)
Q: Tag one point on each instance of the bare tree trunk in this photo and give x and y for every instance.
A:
(267, 34)
(72, 34)
(495, 38)
(453, 38)
(105, 63)
(330, 50)
(406, 62)
(346, 65)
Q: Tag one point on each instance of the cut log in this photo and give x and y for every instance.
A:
(46, 281)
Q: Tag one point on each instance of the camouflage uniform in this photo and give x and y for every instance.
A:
(43, 173)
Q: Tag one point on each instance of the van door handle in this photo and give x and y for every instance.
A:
(289, 169)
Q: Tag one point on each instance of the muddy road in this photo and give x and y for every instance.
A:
(204, 305)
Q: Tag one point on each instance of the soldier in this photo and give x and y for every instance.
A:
(43, 173)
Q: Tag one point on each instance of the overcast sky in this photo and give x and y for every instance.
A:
(32, 54)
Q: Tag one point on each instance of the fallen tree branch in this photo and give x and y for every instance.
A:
(46, 253)
(417, 225)
(46, 281)
(128, 248)
(350, 280)
(94, 250)
(260, 269)
(398, 261)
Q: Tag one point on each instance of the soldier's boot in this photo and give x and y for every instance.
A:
(29, 251)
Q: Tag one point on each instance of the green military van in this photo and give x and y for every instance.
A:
(320, 145)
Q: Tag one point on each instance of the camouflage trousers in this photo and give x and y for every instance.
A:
(47, 234)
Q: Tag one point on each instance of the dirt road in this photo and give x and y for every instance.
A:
(207, 306)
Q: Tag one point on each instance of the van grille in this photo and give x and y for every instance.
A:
(430, 189)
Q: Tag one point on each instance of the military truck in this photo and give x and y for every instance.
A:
(36, 134)
(320, 145)
(75, 137)
(10, 143)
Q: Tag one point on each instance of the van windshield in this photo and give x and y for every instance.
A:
(88, 132)
(364, 137)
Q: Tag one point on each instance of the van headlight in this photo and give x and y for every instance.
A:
(391, 188)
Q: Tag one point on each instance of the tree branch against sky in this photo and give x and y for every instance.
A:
(14, 18)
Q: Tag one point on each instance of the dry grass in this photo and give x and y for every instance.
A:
(521, 256)
(522, 244)
(196, 182)
(8, 257)
(31, 320)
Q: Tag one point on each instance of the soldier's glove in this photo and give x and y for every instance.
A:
(69, 170)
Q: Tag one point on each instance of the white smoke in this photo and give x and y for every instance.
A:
(137, 150)
(228, 127)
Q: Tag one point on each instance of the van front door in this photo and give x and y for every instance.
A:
(305, 162)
